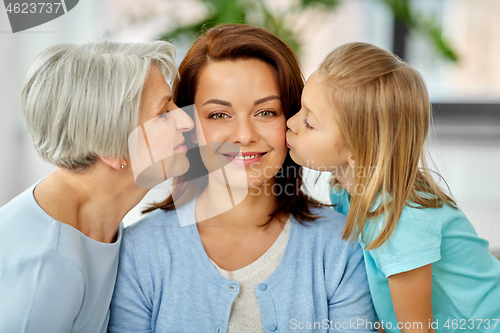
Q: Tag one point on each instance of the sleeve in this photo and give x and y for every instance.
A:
(415, 242)
(351, 309)
(131, 310)
(40, 293)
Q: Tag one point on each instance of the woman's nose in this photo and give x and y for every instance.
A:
(245, 132)
(183, 122)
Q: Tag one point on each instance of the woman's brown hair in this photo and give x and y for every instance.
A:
(230, 42)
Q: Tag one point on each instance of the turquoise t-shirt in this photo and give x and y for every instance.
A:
(465, 277)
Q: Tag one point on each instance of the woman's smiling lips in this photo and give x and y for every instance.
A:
(245, 158)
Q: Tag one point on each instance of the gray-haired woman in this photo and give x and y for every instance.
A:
(59, 240)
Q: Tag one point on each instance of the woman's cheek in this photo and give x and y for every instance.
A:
(279, 128)
(282, 134)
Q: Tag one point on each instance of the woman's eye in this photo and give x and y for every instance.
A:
(218, 115)
(266, 113)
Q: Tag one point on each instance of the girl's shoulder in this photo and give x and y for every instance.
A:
(437, 218)
(418, 238)
(415, 222)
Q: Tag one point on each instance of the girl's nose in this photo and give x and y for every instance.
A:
(291, 123)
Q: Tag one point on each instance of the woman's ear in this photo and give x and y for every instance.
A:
(115, 163)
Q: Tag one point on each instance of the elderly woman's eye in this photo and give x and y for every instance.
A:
(218, 115)
(164, 114)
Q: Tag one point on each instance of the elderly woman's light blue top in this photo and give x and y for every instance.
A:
(53, 278)
(167, 283)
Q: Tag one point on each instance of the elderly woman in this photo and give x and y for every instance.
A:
(60, 239)
(239, 247)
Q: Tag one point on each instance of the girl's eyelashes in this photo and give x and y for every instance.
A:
(307, 124)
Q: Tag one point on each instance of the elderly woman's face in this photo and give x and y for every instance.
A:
(238, 103)
(156, 147)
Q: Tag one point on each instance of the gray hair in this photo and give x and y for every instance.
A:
(83, 101)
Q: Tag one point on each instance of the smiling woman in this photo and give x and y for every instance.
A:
(253, 121)
(238, 247)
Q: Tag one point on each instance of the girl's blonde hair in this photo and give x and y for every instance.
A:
(383, 111)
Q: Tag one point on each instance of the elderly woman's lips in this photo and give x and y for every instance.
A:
(180, 146)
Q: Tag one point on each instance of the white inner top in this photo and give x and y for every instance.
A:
(245, 312)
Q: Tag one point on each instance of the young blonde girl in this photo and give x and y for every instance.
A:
(365, 117)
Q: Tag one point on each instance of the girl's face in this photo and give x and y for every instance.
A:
(313, 134)
(240, 117)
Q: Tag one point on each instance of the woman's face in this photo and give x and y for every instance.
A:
(156, 147)
(240, 117)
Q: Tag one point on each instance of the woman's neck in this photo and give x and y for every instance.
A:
(94, 202)
(236, 236)
(235, 208)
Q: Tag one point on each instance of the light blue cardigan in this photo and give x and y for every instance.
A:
(166, 282)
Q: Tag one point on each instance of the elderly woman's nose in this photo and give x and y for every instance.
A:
(245, 132)
(183, 122)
